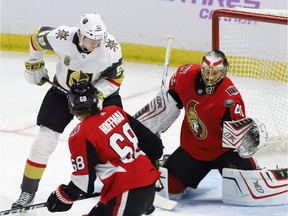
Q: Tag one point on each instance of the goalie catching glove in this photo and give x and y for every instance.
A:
(247, 136)
(254, 140)
(35, 71)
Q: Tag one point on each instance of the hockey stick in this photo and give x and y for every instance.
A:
(60, 88)
(40, 205)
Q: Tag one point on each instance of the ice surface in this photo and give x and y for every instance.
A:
(19, 107)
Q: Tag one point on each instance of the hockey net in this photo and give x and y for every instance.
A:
(255, 43)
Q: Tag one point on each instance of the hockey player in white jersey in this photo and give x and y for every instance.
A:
(87, 52)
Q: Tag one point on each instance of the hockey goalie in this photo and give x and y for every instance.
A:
(215, 132)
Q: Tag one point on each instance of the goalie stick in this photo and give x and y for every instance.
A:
(151, 107)
(166, 62)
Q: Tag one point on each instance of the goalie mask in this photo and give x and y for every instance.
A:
(93, 27)
(82, 97)
(214, 68)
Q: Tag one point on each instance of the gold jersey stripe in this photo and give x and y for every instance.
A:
(33, 172)
(34, 41)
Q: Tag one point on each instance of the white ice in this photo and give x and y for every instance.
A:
(20, 102)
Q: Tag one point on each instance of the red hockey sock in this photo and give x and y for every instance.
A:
(174, 185)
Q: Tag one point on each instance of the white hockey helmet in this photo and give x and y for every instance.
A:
(92, 26)
(214, 62)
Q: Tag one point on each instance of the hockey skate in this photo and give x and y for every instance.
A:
(24, 199)
(150, 210)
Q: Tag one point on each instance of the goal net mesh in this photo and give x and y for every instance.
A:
(255, 43)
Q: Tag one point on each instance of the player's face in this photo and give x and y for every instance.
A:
(211, 76)
(90, 44)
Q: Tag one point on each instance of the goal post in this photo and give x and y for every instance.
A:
(255, 42)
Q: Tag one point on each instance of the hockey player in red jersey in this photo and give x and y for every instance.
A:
(209, 98)
(115, 147)
(86, 52)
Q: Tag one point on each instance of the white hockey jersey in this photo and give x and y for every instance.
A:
(103, 66)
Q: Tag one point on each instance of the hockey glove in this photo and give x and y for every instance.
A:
(58, 201)
(35, 71)
(255, 139)
(100, 97)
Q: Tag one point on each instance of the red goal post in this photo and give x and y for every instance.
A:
(255, 42)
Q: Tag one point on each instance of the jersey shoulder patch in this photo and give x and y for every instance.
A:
(183, 69)
(75, 130)
(232, 90)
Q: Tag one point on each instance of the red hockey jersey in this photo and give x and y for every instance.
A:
(105, 145)
(201, 131)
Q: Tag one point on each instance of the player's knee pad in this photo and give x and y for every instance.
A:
(43, 145)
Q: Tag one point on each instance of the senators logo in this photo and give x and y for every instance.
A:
(195, 124)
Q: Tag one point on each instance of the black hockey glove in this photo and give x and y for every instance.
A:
(58, 201)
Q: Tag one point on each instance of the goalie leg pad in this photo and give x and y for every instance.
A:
(160, 113)
(255, 187)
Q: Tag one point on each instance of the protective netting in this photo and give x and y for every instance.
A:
(257, 53)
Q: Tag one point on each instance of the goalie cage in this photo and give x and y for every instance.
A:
(255, 43)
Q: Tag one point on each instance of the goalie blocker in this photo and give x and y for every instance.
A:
(255, 187)
(160, 113)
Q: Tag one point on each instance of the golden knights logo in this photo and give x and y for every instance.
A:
(112, 45)
(67, 60)
(76, 76)
(62, 34)
(194, 122)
